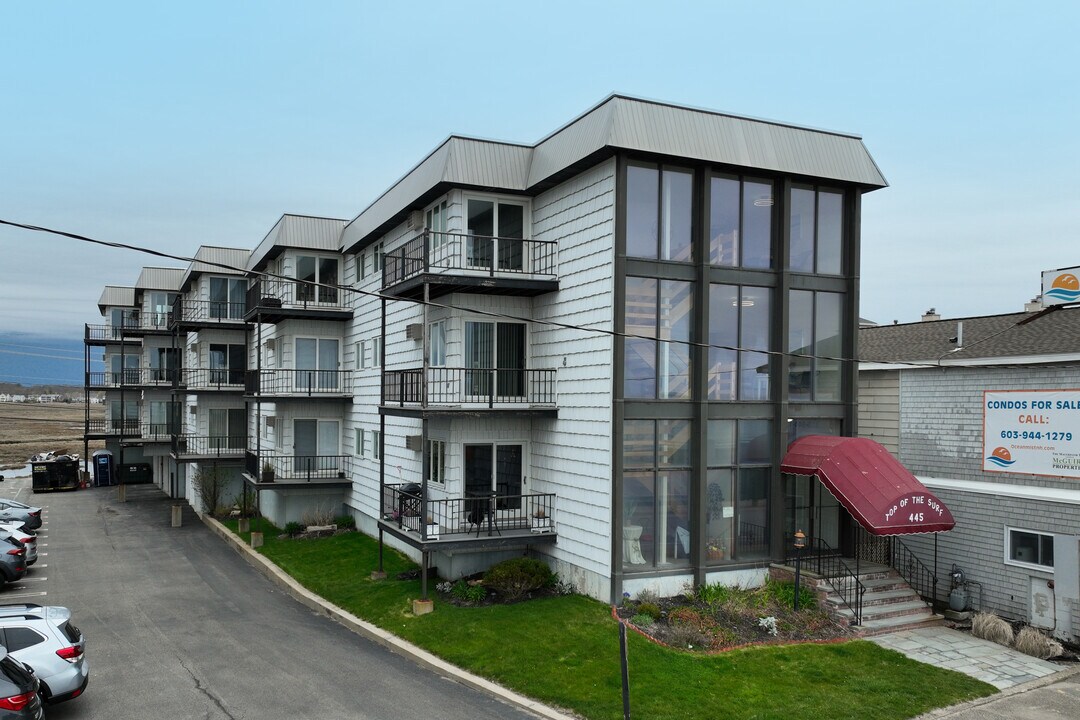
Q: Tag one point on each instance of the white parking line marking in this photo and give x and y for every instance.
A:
(38, 567)
(34, 579)
(27, 594)
(41, 545)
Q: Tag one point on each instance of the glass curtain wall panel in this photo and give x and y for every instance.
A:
(659, 213)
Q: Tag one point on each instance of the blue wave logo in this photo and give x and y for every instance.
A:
(1001, 457)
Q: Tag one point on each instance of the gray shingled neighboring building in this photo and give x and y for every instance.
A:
(921, 391)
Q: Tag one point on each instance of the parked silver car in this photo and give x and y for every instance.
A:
(12, 558)
(19, 699)
(27, 538)
(13, 511)
(43, 637)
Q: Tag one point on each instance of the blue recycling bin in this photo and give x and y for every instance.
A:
(104, 468)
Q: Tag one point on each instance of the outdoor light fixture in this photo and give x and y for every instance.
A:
(800, 543)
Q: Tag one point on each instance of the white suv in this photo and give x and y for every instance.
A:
(43, 637)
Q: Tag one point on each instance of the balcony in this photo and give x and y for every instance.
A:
(207, 313)
(483, 521)
(97, 428)
(150, 433)
(212, 379)
(455, 262)
(106, 335)
(450, 390)
(203, 447)
(138, 323)
(271, 300)
(290, 383)
(133, 378)
(264, 468)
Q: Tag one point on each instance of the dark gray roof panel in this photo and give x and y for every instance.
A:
(990, 336)
(298, 231)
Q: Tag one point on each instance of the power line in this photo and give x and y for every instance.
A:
(471, 311)
(43, 347)
(42, 355)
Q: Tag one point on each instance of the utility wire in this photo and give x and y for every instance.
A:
(444, 306)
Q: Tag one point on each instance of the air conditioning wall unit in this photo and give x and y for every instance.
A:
(414, 442)
(414, 331)
(415, 221)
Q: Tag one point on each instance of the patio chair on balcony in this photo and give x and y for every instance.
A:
(479, 513)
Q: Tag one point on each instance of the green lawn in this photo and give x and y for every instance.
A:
(565, 651)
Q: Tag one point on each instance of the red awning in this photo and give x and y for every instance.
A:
(875, 488)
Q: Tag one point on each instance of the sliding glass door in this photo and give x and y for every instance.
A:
(495, 469)
(494, 360)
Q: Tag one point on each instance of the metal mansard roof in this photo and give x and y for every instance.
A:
(620, 123)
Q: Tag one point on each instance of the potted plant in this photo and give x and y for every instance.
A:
(540, 521)
(715, 549)
(431, 529)
(267, 472)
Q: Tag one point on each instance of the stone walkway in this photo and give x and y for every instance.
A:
(996, 664)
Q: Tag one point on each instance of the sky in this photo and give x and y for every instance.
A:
(172, 125)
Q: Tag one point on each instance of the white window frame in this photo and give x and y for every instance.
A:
(376, 442)
(358, 447)
(440, 360)
(437, 449)
(377, 258)
(376, 351)
(435, 220)
(1009, 530)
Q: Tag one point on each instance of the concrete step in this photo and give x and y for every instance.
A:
(879, 626)
(910, 608)
(888, 597)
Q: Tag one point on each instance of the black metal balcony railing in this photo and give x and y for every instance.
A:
(211, 446)
(484, 514)
(450, 253)
(137, 320)
(104, 332)
(297, 468)
(276, 293)
(212, 379)
(301, 383)
(207, 311)
(113, 426)
(132, 376)
(463, 386)
(157, 432)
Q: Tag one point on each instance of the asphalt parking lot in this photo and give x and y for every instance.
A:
(178, 625)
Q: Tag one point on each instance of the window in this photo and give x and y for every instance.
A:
(437, 344)
(361, 265)
(315, 447)
(227, 298)
(20, 638)
(739, 317)
(358, 448)
(1028, 547)
(737, 495)
(816, 219)
(495, 359)
(316, 364)
(740, 222)
(659, 208)
(377, 258)
(815, 331)
(317, 279)
(227, 428)
(657, 310)
(656, 493)
(369, 353)
(435, 221)
(495, 230)
(227, 364)
(436, 459)
(376, 437)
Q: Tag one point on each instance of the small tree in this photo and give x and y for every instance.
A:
(209, 485)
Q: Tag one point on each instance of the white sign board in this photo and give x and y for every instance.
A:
(1034, 432)
(1061, 286)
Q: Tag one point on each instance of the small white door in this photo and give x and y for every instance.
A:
(1041, 604)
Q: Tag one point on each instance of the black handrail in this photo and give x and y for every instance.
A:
(487, 514)
(442, 252)
(469, 386)
(821, 559)
(913, 570)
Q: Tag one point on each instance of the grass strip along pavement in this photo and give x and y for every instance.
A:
(564, 651)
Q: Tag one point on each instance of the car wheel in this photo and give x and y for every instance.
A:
(6, 575)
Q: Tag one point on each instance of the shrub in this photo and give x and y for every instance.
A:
(1032, 642)
(467, 592)
(318, 516)
(516, 577)
(245, 503)
(345, 522)
(647, 596)
(714, 594)
(990, 627)
(689, 638)
(783, 594)
(209, 485)
(292, 529)
(649, 608)
(642, 620)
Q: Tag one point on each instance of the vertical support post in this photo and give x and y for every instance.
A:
(625, 664)
(798, 576)
(935, 566)
(423, 574)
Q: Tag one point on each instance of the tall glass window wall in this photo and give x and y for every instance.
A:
(656, 493)
(727, 227)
